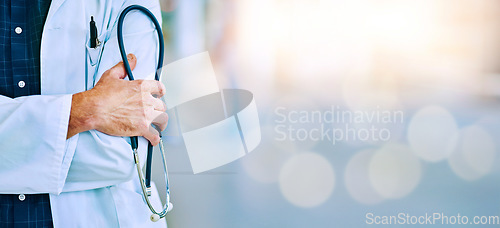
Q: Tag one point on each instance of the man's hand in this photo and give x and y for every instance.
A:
(119, 107)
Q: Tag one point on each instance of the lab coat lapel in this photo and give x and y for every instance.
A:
(54, 6)
(63, 48)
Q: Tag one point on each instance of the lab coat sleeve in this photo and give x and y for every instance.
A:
(102, 160)
(33, 145)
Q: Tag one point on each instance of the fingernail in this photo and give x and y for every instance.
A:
(130, 57)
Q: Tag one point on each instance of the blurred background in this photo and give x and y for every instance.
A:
(435, 62)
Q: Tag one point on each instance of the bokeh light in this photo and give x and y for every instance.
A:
(359, 55)
(307, 180)
(475, 155)
(357, 180)
(432, 133)
(394, 171)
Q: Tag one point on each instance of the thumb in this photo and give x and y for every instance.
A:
(119, 72)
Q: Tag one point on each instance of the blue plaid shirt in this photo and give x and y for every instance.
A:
(21, 26)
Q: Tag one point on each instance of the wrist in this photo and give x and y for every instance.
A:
(83, 113)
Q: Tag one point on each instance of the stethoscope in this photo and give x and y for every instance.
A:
(146, 182)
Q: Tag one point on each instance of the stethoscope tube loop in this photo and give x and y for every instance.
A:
(122, 46)
(145, 183)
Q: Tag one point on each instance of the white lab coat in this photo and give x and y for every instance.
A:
(91, 177)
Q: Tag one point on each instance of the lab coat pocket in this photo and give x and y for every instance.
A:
(94, 53)
(94, 59)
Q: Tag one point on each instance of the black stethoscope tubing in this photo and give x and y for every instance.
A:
(146, 183)
(134, 140)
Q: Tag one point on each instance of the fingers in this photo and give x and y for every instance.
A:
(157, 104)
(118, 71)
(154, 87)
(161, 120)
(152, 136)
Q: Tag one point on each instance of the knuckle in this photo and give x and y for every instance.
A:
(165, 117)
(163, 107)
(140, 84)
(148, 103)
(161, 88)
(136, 86)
